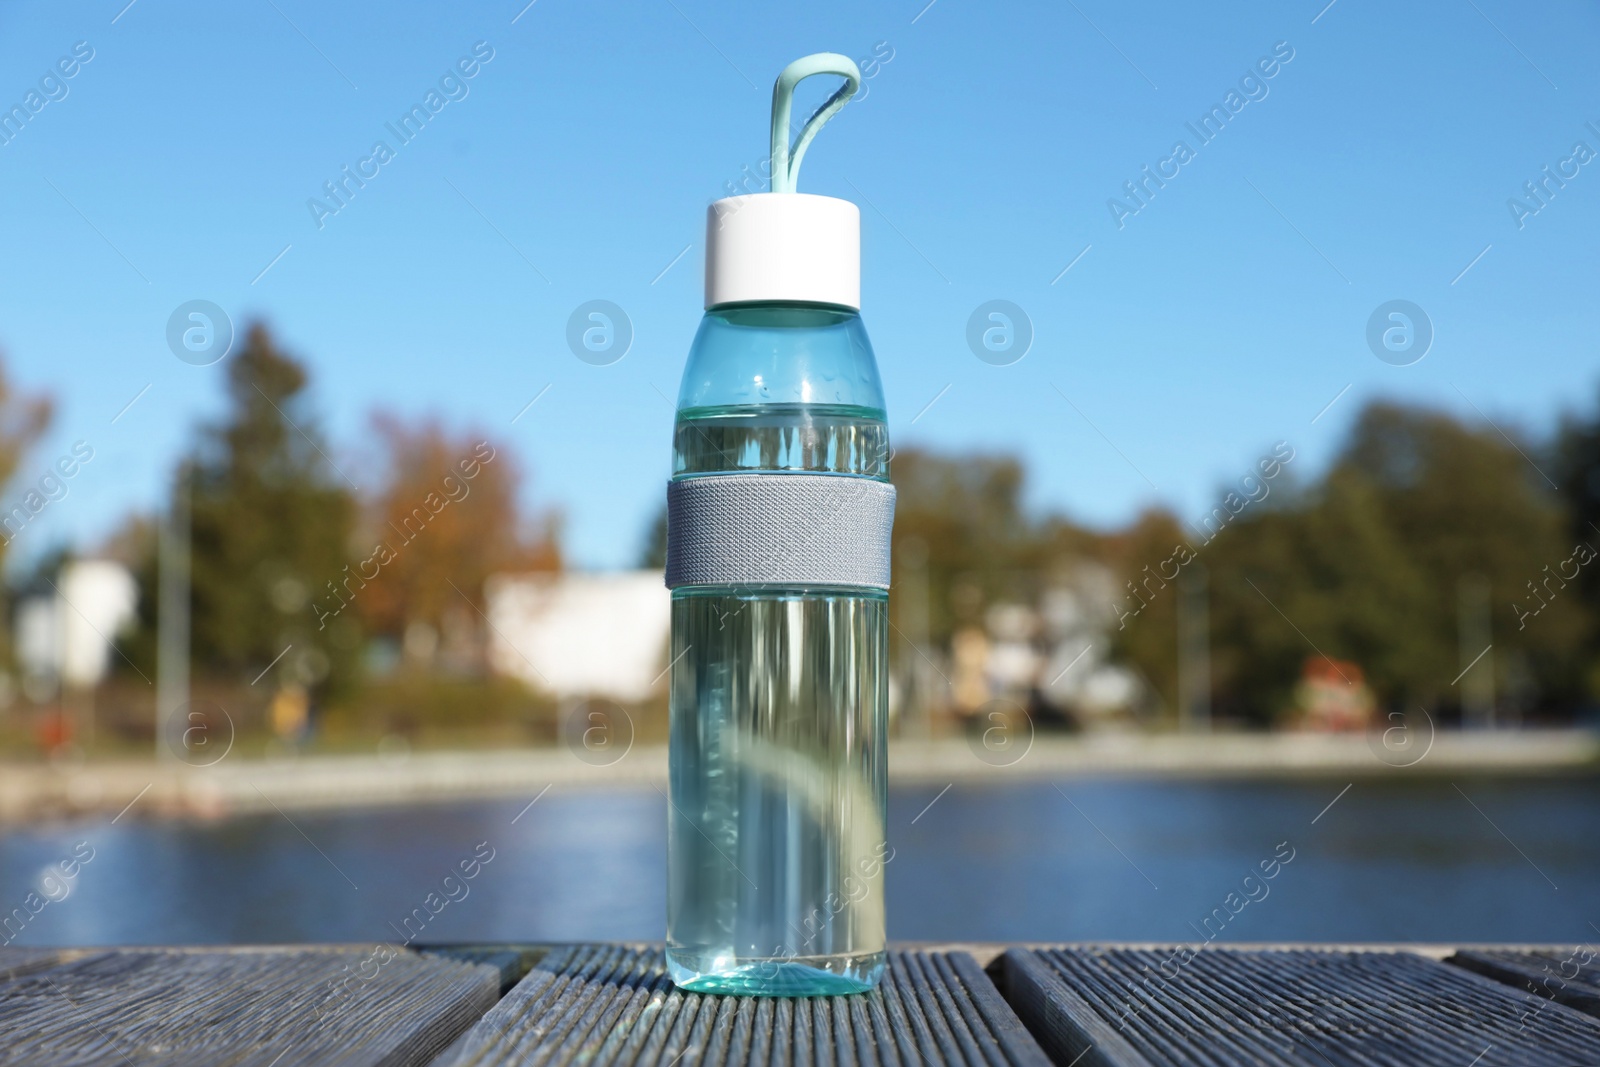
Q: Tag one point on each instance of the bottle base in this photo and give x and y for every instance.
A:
(804, 976)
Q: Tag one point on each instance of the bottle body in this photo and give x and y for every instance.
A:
(779, 692)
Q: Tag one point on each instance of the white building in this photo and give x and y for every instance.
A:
(581, 635)
(68, 635)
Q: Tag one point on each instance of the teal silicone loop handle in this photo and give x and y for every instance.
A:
(786, 160)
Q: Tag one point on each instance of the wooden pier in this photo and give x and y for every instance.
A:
(1079, 1005)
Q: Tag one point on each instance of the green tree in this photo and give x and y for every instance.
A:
(961, 518)
(1368, 566)
(653, 554)
(1321, 575)
(1576, 469)
(1146, 632)
(271, 523)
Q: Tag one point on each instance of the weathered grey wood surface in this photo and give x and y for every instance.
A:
(18, 961)
(607, 1004)
(1568, 978)
(225, 1008)
(474, 1005)
(1134, 1007)
(512, 961)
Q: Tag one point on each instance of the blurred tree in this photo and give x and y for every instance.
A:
(654, 555)
(1368, 566)
(960, 520)
(271, 522)
(23, 420)
(445, 519)
(1145, 633)
(1468, 502)
(1576, 467)
(1321, 575)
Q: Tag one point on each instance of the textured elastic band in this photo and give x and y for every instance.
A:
(780, 529)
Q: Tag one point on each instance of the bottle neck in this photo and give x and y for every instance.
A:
(783, 314)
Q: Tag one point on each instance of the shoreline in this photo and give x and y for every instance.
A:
(146, 788)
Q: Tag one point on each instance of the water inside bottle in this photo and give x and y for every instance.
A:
(778, 746)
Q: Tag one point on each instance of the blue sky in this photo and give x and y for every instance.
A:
(1220, 318)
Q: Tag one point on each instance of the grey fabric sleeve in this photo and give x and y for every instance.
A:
(782, 529)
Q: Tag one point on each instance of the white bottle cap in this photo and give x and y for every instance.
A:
(783, 246)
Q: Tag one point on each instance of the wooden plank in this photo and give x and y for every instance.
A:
(606, 1004)
(1571, 978)
(20, 961)
(1218, 1006)
(513, 961)
(232, 1009)
(1068, 1026)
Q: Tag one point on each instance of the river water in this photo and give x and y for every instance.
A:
(1413, 859)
